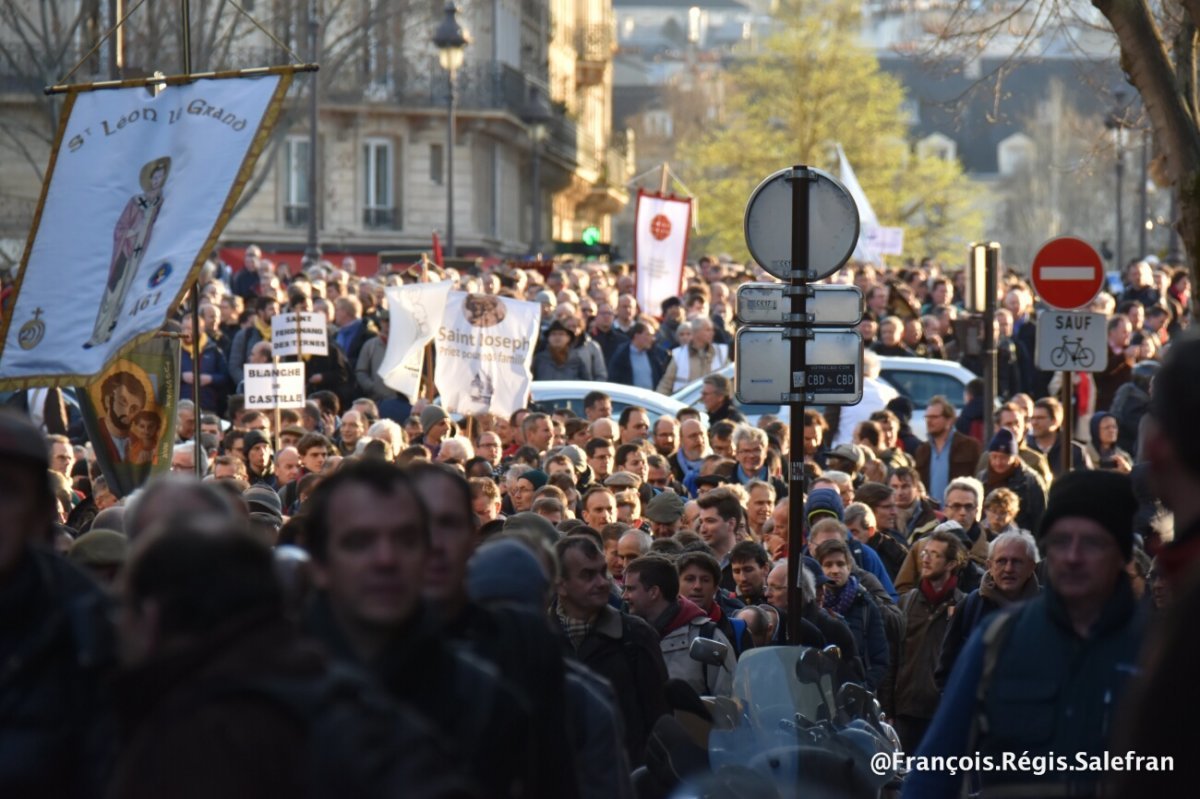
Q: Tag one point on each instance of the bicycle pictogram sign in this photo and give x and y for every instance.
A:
(1074, 350)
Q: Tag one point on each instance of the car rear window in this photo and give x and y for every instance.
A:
(920, 387)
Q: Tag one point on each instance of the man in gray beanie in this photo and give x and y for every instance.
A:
(1047, 676)
(435, 426)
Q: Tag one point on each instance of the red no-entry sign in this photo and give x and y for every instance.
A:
(1067, 272)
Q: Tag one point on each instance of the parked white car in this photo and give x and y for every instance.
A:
(549, 394)
(918, 379)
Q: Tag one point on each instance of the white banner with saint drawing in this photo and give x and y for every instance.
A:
(484, 353)
(138, 189)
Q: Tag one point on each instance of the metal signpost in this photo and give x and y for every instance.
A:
(1067, 273)
(801, 225)
(983, 273)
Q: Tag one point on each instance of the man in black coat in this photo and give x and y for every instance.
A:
(55, 639)
(369, 535)
(619, 647)
(638, 362)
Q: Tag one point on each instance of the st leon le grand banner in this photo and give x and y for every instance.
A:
(138, 189)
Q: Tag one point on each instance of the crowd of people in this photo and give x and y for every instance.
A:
(374, 596)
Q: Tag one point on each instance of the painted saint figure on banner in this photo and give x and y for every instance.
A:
(122, 398)
(131, 237)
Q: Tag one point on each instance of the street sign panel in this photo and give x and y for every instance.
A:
(833, 374)
(833, 225)
(767, 304)
(1067, 273)
(1072, 341)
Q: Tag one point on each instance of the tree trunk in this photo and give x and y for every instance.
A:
(1148, 65)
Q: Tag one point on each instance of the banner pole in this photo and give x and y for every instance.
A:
(278, 423)
(662, 180)
(185, 40)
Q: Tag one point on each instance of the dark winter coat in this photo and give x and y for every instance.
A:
(213, 364)
(624, 650)
(865, 621)
(56, 645)
(493, 743)
(1025, 483)
(620, 365)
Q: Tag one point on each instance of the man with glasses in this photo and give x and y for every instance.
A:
(947, 454)
(489, 448)
(750, 451)
(1049, 676)
(963, 506)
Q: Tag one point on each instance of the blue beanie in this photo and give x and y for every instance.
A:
(824, 500)
(504, 569)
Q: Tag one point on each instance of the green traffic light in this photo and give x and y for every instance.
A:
(591, 236)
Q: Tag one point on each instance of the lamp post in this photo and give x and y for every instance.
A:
(312, 252)
(1116, 125)
(450, 40)
(537, 116)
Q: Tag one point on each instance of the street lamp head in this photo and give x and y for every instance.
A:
(537, 114)
(450, 38)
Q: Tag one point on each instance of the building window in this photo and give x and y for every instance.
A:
(436, 159)
(295, 179)
(1015, 153)
(937, 145)
(379, 204)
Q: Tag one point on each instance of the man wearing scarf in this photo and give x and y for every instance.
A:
(257, 328)
(928, 609)
(213, 371)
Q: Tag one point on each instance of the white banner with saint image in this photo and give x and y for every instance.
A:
(137, 191)
(484, 353)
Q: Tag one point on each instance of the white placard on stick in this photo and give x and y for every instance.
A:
(303, 333)
(269, 386)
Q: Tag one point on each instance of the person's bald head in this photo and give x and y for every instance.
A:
(605, 428)
(692, 439)
(173, 496)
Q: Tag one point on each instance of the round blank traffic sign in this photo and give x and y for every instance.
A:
(1067, 272)
(832, 224)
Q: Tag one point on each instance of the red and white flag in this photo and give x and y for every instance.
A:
(660, 248)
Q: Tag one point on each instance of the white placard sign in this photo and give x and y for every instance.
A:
(269, 386)
(304, 333)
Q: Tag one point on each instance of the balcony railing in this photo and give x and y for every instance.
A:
(379, 218)
(594, 42)
(295, 215)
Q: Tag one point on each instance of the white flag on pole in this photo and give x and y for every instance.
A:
(868, 223)
(484, 353)
(415, 313)
(137, 192)
(660, 248)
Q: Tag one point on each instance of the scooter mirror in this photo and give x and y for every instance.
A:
(708, 652)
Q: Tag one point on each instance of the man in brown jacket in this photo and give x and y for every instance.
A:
(928, 609)
(946, 454)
